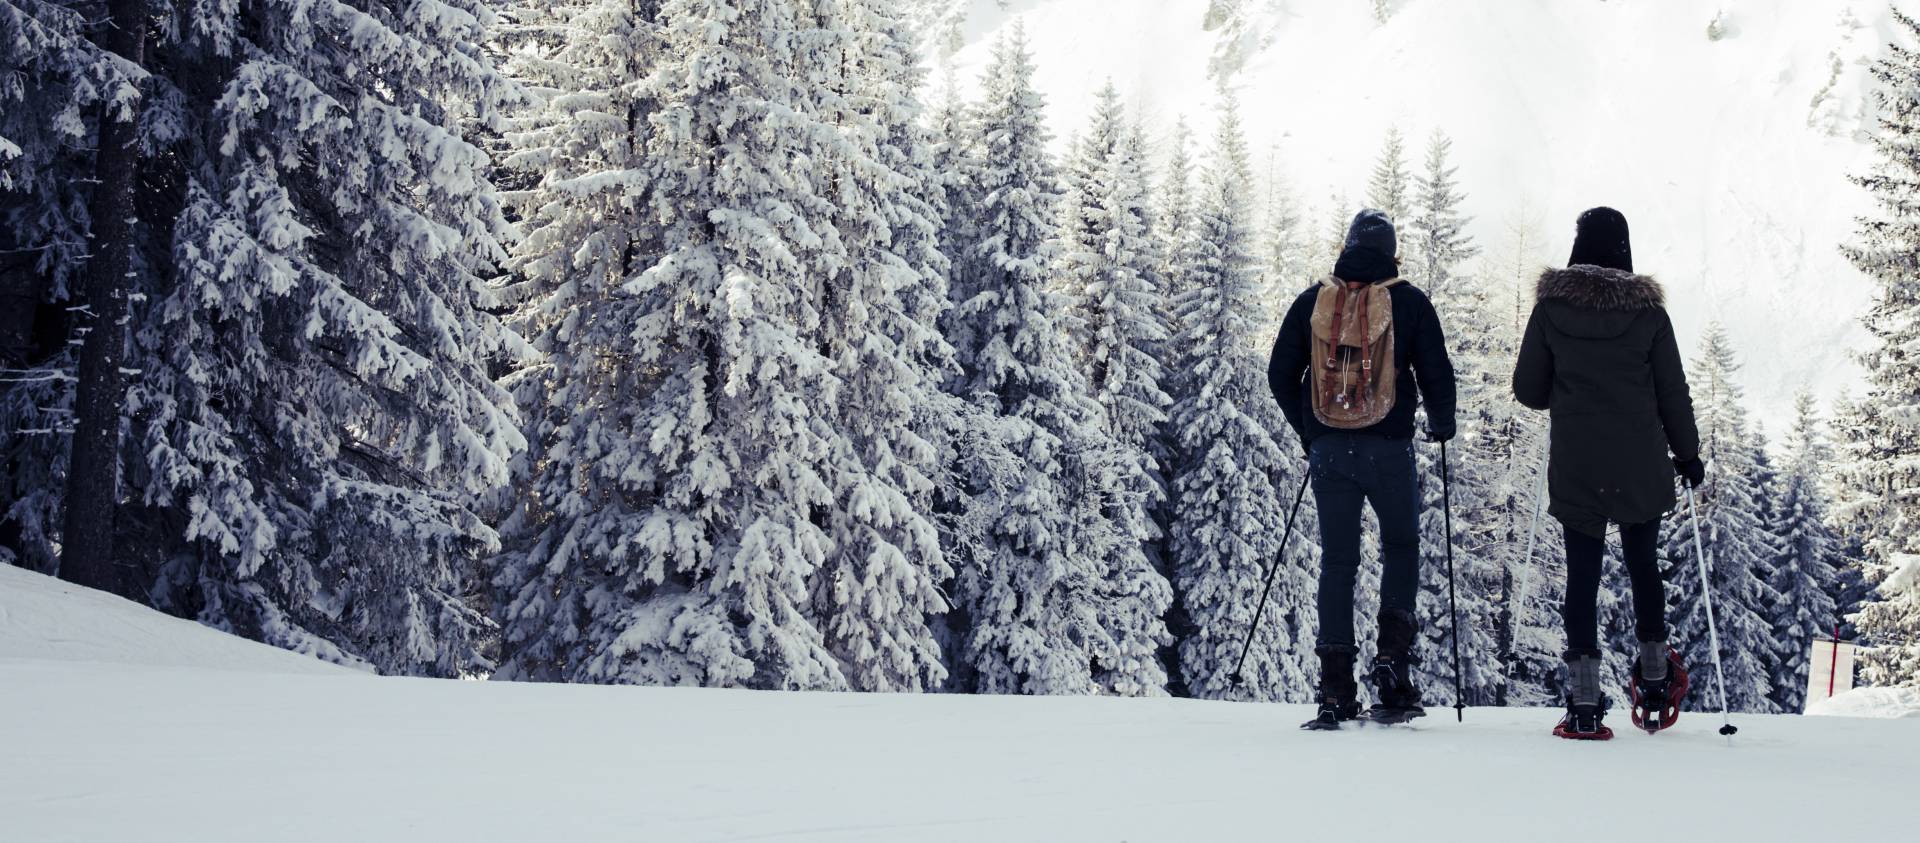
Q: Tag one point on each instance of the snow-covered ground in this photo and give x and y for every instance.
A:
(119, 724)
(1870, 702)
(1729, 156)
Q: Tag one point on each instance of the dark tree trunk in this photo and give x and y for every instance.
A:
(93, 481)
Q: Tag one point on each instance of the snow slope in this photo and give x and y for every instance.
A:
(44, 619)
(214, 741)
(1870, 702)
(1729, 156)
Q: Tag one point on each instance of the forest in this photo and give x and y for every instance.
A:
(709, 342)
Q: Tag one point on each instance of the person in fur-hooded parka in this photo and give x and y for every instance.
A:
(1600, 355)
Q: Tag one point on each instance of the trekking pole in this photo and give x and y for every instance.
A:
(1266, 588)
(1713, 633)
(1533, 533)
(1453, 599)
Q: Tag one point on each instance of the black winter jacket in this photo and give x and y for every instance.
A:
(1600, 355)
(1419, 349)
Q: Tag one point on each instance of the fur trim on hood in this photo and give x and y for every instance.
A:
(1599, 288)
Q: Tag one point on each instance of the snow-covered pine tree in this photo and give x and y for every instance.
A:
(312, 417)
(1880, 434)
(1531, 631)
(55, 85)
(1283, 253)
(1324, 244)
(1232, 488)
(1806, 577)
(955, 153)
(1502, 450)
(570, 562)
(760, 487)
(1391, 188)
(1174, 217)
(1106, 268)
(1736, 539)
(878, 587)
(1481, 371)
(1438, 227)
(1053, 588)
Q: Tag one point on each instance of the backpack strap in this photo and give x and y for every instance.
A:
(1366, 344)
(1339, 320)
(1327, 384)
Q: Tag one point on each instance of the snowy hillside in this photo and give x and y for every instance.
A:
(212, 738)
(1729, 154)
(44, 619)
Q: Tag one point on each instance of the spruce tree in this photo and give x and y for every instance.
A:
(1174, 217)
(1733, 533)
(1283, 255)
(1531, 632)
(1479, 366)
(586, 233)
(1438, 228)
(1806, 576)
(1506, 445)
(1229, 508)
(762, 474)
(878, 588)
(1880, 432)
(1391, 187)
(55, 87)
(312, 417)
(1106, 269)
(1052, 583)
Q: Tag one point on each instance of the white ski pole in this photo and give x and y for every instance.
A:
(1524, 576)
(1713, 633)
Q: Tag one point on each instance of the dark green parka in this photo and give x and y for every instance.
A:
(1600, 356)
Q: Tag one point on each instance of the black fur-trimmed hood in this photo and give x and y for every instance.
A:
(1599, 288)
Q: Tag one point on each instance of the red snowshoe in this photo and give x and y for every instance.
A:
(1582, 723)
(1656, 702)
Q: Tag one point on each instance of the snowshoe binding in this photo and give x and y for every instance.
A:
(1392, 672)
(1582, 722)
(1586, 706)
(1332, 713)
(1656, 702)
(1338, 691)
(1383, 715)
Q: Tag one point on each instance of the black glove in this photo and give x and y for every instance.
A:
(1440, 434)
(1693, 472)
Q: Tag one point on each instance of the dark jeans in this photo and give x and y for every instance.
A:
(1349, 470)
(1640, 543)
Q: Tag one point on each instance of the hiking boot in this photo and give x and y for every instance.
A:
(1338, 691)
(1586, 706)
(1392, 672)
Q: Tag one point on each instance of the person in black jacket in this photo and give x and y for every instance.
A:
(1374, 465)
(1599, 354)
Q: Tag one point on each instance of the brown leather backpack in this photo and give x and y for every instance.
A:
(1353, 379)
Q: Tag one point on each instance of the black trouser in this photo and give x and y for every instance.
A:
(1640, 543)
(1350, 470)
